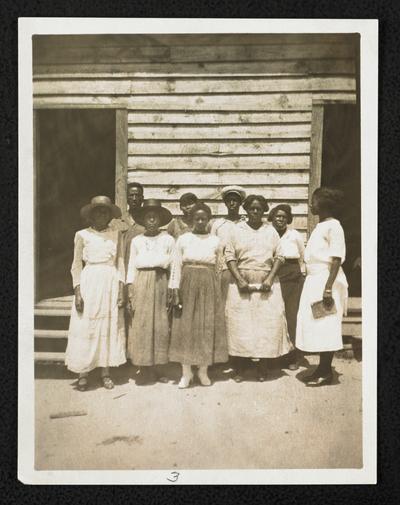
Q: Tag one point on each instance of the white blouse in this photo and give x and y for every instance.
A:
(194, 248)
(223, 228)
(94, 247)
(292, 245)
(149, 252)
(254, 249)
(326, 242)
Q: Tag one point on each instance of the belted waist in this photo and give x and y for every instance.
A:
(198, 265)
(109, 263)
(292, 260)
(157, 269)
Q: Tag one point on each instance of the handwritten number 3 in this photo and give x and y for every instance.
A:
(175, 476)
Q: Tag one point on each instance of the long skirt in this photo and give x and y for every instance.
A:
(324, 334)
(255, 322)
(292, 281)
(198, 331)
(96, 336)
(148, 333)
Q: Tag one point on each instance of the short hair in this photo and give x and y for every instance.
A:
(287, 209)
(136, 185)
(330, 199)
(250, 199)
(188, 198)
(202, 206)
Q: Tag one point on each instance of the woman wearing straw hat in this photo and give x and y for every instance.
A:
(96, 336)
(147, 280)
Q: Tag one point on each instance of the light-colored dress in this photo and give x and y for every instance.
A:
(96, 337)
(255, 322)
(148, 270)
(291, 277)
(198, 330)
(325, 334)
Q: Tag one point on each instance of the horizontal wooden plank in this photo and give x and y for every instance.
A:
(220, 148)
(197, 39)
(173, 192)
(51, 54)
(52, 334)
(190, 85)
(267, 162)
(52, 312)
(352, 329)
(49, 357)
(224, 178)
(240, 102)
(217, 69)
(296, 130)
(198, 118)
(218, 207)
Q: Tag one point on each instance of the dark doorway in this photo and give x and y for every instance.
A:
(75, 160)
(341, 168)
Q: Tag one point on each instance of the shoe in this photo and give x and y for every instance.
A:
(82, 384)
(315, 375)
(320, 381)
(262, 375)
(163, 379)
(204, 379)
(107, 382)
(143, 377)
(293, 366)
(185, 382)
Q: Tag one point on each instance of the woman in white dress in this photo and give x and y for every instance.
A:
(326, 281)
(147, 282)
(96, 336)
(254, 311)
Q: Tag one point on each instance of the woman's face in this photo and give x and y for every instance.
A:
(187, 207)
(280, 220)
(151, 221)
(232, 202)
(255, 212)
(200, 221)
(100, 217)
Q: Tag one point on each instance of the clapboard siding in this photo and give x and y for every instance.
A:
(203, 110)
(243, 163)
(232, 84)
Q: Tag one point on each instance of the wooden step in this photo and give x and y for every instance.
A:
(52, 312)
(51, 334)
(49, 357)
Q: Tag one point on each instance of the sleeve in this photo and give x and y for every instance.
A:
(131, 270)
(77, 262)
(120, 257)
(176, 266)
(277, 248)
(170, 250)
(219, 263)
(337, 247)
(171, 228)
(230, 251)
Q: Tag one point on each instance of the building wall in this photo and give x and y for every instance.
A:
(205, 110)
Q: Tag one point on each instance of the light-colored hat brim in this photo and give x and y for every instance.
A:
(238, 190)
(88, 209)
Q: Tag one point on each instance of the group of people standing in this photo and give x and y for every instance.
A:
(198, 291)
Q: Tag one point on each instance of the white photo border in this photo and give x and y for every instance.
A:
(368, 29)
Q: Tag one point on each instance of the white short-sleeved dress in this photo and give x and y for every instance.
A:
(324, 334)
(96, 336)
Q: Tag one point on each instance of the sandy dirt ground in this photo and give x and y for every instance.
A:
(276, 424)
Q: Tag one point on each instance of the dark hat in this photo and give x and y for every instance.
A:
(155, 205)
(100, 201)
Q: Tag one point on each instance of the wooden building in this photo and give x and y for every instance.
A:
(181, 113)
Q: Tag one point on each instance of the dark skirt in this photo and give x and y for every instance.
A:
(198, 331)
(148, 333)
(292, 281)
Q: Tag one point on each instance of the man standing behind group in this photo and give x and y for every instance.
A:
(233, 197)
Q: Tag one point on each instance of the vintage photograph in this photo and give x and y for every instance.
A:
(197, 251)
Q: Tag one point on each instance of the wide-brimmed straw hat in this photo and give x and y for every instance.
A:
(238, 190)
(154, 205)
(100, 201)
